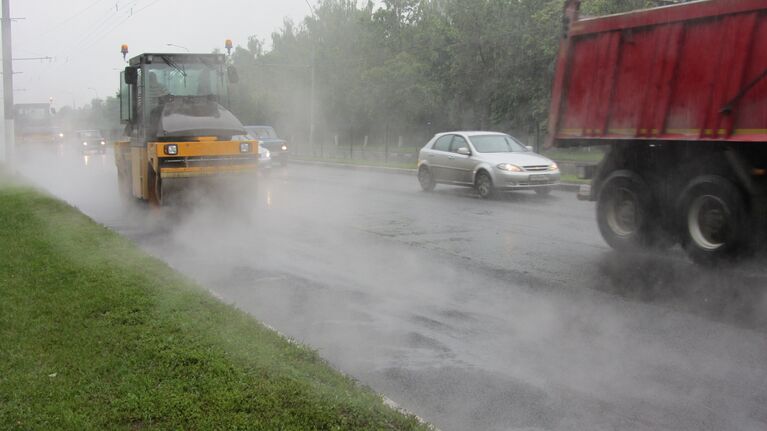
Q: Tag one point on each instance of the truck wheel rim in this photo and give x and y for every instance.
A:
(622, 216)
(708, 222)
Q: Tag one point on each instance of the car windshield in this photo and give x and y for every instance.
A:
(497, 144)
(261, 132)
(90, 134)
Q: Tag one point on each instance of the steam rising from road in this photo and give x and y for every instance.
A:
(507, 314)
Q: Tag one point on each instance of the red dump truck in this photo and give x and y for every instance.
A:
(678, 94)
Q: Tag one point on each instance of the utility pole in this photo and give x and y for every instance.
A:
(312, 95)
(311, 103)
(8, 84)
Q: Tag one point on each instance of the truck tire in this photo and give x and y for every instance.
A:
(624, 212)
(713, 220)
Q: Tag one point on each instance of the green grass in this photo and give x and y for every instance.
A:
(96, 335)
(573, 179)
(574, 155)
(570, 179)
(374, 163)
(559, 154)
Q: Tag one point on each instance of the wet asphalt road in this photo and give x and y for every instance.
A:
(509, 314)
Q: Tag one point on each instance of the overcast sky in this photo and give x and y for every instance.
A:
(84, 38)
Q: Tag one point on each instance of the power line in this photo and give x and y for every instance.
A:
(105, 25)
(106, 31)
(33, 58)
(149, 5)
(110, 14)
(76, 15)
(128, 16)
(95, 31)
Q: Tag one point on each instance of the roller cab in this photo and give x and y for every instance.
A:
(174, 109)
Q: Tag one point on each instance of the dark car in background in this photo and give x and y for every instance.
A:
(268, 139)
(92, 141)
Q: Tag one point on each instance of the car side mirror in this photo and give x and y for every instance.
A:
(463, 151)
(529, 147)
(131, 75)
(231, 72)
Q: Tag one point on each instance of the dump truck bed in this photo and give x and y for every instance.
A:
(689, 72)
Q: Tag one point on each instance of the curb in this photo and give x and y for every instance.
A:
(566, 187)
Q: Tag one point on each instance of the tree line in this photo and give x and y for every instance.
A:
(407, 67)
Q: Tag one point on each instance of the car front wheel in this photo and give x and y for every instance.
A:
(484, 186)
(426, 179)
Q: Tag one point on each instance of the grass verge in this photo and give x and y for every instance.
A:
(573, 179)
(353, 162)
(94, 334)
(575, 155)
(560, 155)
(566, 178)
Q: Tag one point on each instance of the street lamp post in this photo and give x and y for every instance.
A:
(313, 81)
(178, 46)
(311, 102)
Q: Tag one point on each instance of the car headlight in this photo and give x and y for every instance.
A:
(103, 143)
(509, 167)
(85, 144)
(553, 166)
(171, 149)
(266, 154)
(284, 147)
(61, 135)
(244, 147)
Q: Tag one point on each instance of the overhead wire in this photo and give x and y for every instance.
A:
(128, 16)
(115, 17)
(92, 30)
(148, 6)
(72, 17)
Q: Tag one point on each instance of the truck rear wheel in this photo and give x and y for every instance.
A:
(624, 210)
(713, 219)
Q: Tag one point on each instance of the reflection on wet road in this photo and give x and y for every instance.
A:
(492, 315)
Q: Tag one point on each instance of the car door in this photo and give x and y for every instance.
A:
(437, 158)
(461, 165)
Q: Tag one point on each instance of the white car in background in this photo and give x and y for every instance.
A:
(487, 161)
(264, 155)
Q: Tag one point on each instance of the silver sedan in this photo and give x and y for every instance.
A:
(487, 161)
